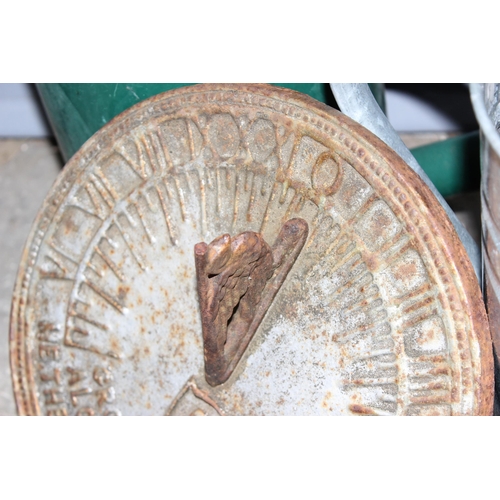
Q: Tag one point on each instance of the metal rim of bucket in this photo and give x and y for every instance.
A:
(485, 122)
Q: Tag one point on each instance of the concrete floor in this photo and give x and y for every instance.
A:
(27, 170)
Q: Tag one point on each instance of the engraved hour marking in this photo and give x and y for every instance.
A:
(203, 196)
(426, 287)
(294, 206)
(127, 241)
(249, 186)
(142, 219)
(138, 169)
(265, 218)
(284, 191)
(160, 155)
(90, 266)
(94, 196)
(190, 139)
(372, 332)
(362, 325)
(218, 191)
(69, 341)
(62, 254)
(369, 202)
(166, 215)
(164, 148)
(422, 312)
(128, 217)
(388, 259)
(59, 264)
(434, 398)
(180, 197)
(110, 264)
(272, 208)
(103, 191)
(249, 175)
(359, 409)
(430, 380)
(418, 385)
(105, 182)
(236, 198)
(293, 156)
(108, 298)
(188, 181)
(370, 381)
(324, 229)
(373, 354)
(194, 206)
(394, 246)
(93, 322)
(151, 155)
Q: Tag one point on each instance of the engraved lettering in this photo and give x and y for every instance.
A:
(106, 395)
(102, 375)
(57, 412)
(74, 375)
(48, 351)
(48, 332)
(55, 376)
(53, 396)
(75, 394)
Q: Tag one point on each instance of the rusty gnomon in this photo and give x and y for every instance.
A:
(243, 249)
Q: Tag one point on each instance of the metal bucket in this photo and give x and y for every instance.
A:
(486, 102)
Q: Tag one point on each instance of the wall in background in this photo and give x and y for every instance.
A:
(21, 112)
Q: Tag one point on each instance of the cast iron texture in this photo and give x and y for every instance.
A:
(380, 313)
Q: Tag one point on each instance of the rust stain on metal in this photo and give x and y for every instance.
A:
(360, 301)
(361, 410)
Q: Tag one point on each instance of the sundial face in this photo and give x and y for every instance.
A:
(373, 308)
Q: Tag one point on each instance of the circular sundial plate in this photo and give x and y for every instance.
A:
(379, 314)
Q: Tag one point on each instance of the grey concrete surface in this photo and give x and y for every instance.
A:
(27, 170)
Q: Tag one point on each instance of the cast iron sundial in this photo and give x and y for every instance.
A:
(243, 249)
